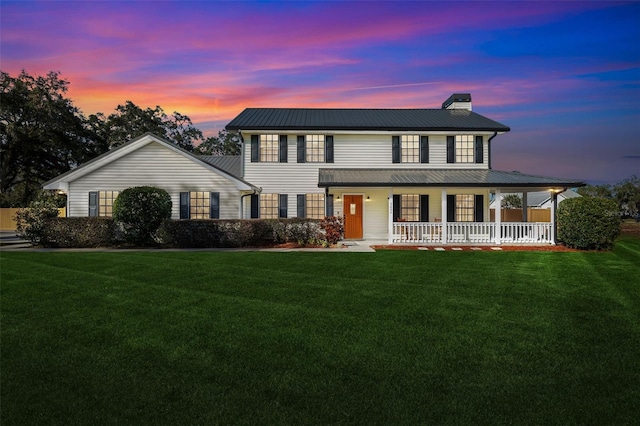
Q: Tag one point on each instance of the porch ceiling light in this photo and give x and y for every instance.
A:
(368, 198)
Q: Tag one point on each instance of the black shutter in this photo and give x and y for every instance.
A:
(93, 203)
(328, 146)
(301, 150)
(329, 202)
(451, 208)
(301, 205)
(255, 148)
(283, 148)
(451, 149)
(424, 149)
(479, 150)
(282, 205)
(255, 206)
(396, 207)
(424, 208)
(214, 205)
(479, 208)
(395, 149)
(184, 205)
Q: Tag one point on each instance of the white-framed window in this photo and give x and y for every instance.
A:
(315, 148)
(268, 206)
(269, 148)
(465, 208)
(464, 149)
(314, 205)
(105, 202)
(410, 207)
(199, 205)
(410, 148)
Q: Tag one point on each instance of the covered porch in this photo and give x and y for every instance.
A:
(442, 207)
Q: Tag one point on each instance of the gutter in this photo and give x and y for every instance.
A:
(254, 192)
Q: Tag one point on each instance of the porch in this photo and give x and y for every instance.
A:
(472, 233)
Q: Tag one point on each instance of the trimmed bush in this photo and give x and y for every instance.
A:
(237, 233)
(31, 221)
(140, 211)
(588, 223)
(81, 232)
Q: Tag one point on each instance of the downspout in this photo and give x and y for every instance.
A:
(254, 192)
(489, 147)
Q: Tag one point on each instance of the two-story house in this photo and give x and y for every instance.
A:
(402, 175)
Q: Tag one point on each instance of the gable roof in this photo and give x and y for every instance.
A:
(131, 146)
(437, 178)
(231, 164)
(363, 119)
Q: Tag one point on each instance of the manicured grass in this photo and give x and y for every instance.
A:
(394, 337)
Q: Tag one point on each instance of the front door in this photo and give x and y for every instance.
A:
(353, 217)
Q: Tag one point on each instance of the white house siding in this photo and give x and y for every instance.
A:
(357, 150)
(155, 165)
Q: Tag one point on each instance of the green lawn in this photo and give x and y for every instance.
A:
(393, 337)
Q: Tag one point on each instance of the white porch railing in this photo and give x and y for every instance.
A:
(472, 232)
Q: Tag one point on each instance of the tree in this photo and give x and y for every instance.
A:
(42, 135)
(627, 194)
(226, 143)
(130, 121)
(512, 201)
(601, 191)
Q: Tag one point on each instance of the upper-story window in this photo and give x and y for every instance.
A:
(410, 149)
(315, 148)
(269, 148)
(465, 149)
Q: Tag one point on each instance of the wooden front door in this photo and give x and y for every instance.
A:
(353, 217)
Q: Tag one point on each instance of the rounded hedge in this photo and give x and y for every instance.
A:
(588, 223)
(141, 210)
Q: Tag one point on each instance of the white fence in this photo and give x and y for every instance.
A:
(472, 232)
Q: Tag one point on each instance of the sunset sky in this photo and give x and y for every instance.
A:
(565, 76)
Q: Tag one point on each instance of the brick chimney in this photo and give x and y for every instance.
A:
(458, 101)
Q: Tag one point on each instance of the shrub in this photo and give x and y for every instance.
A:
(236, 232)
(333, 227)
(588, 223)
(140, 211)
(81, 232)
(31, 221)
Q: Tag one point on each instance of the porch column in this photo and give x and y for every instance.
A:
(554, 206)
(498, 215)
(444, 216)
(525, 210)
(390, 222)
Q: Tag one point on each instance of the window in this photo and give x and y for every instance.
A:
(269, 148)
(410, 207)
(465, 208)
(464, 149)
(314, 206)
(105, 202)
(268, 206)
(314, 148)
(199, 205)
(410, 148)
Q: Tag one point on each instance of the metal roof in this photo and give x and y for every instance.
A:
(363, 119)
(231, 164)
(437, 177)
